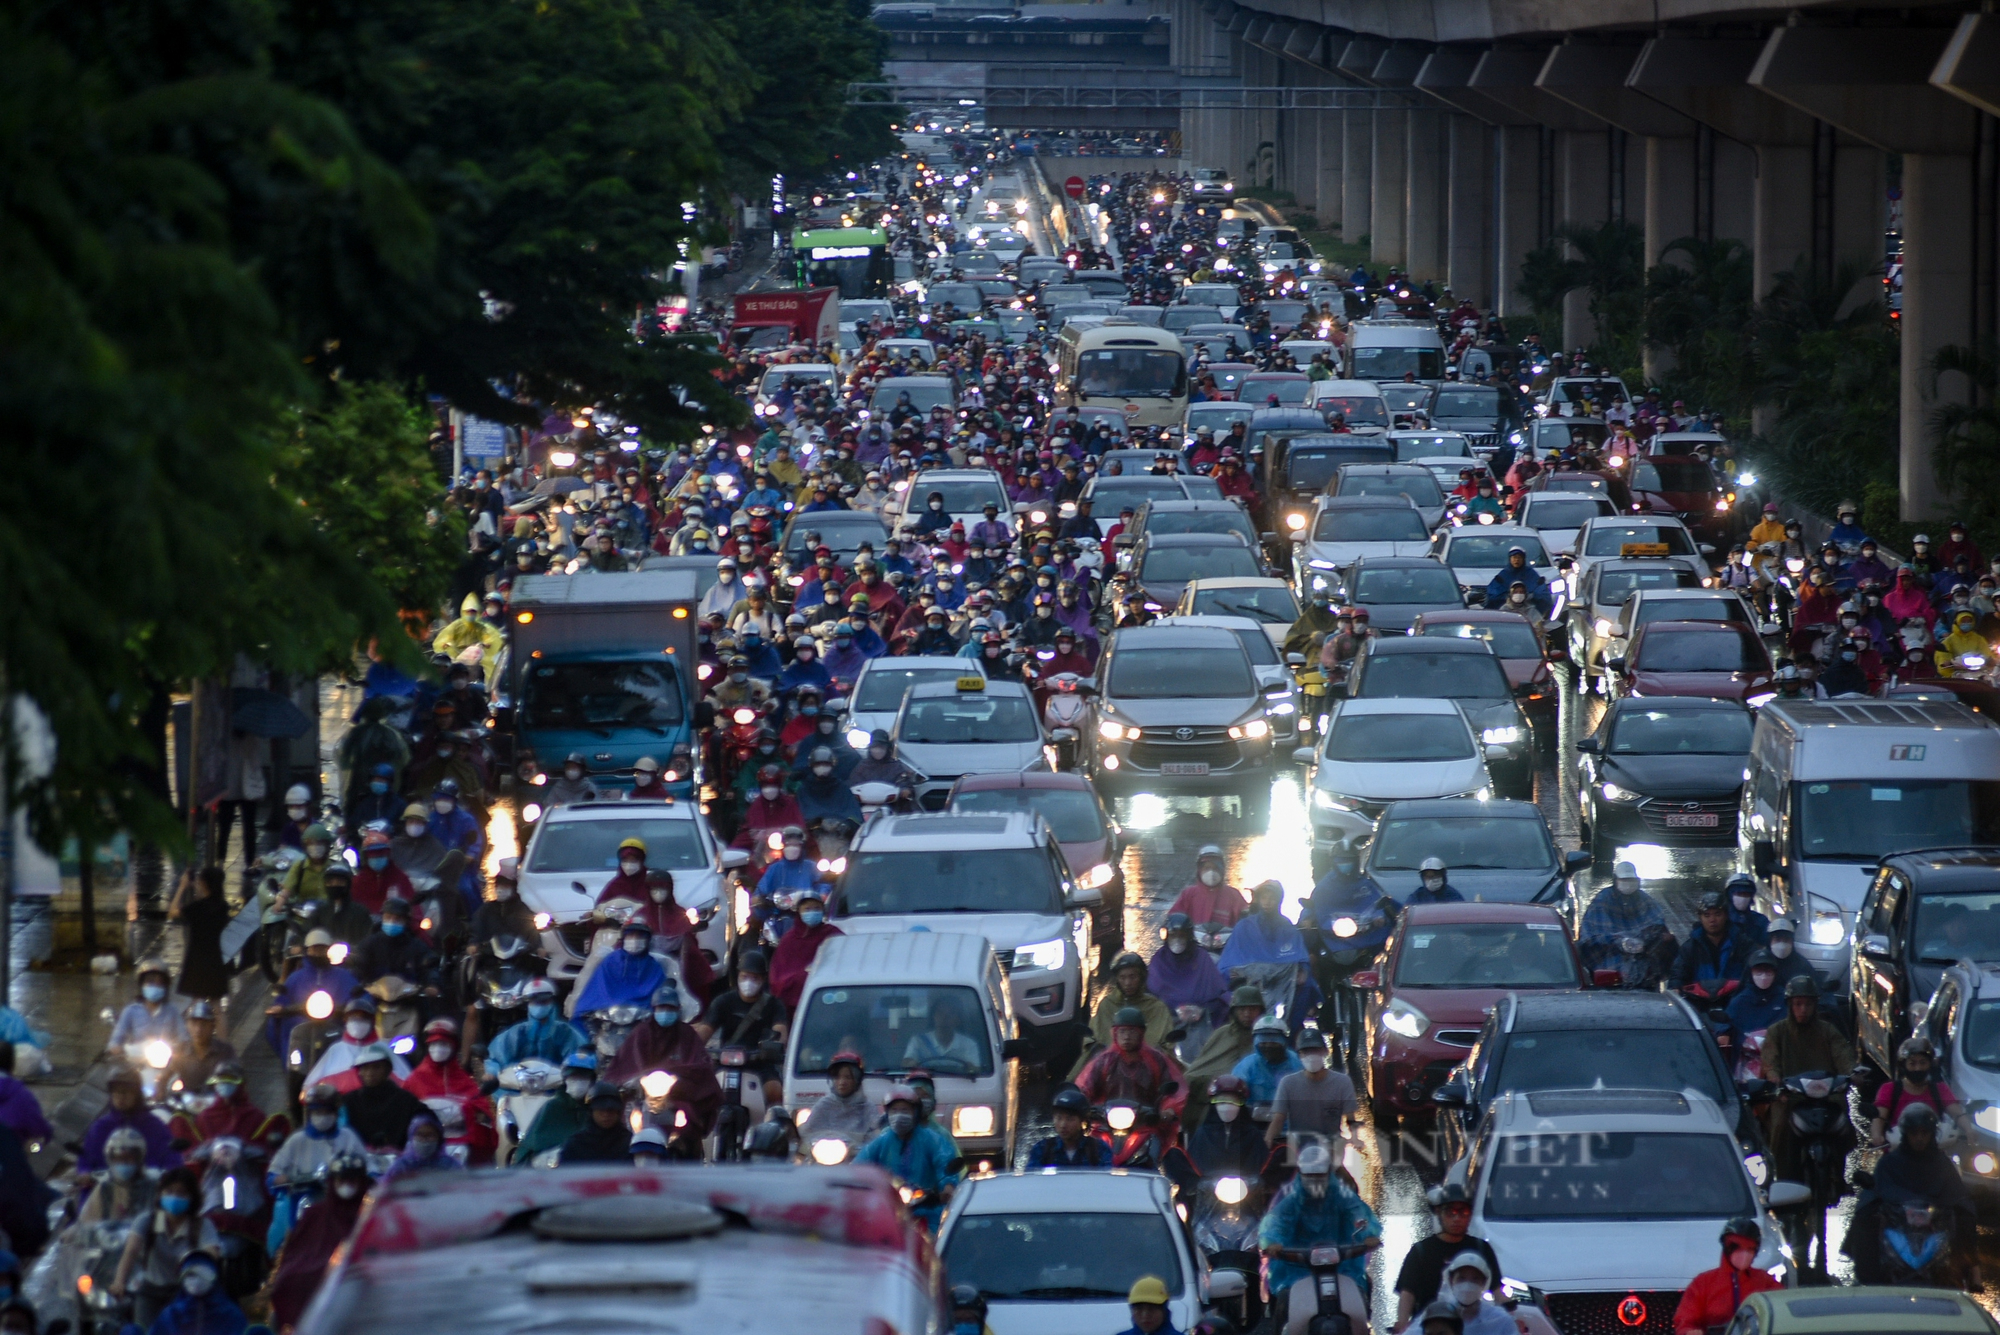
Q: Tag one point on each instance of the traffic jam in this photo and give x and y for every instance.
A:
(1148, 780)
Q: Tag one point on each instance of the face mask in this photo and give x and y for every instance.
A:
(1782, 949)
(296, 813)
(902, 1123)
(878, 753)
(347, 1191)
(414, 828)
(630, 866)
(748, 988)
(666, 1015)
(197, 1282)
(378, 786)
(124, 1172)
(1210, 876)
(635, 945)
(1433, 883)
(317, 852)
(503, 891)
(440, 1052)
(822, 770)
(378, 862)
(425, 1147)
(153, 992)
(392, 929)
(176, 1205)
(793, 852)
(965, 1328)
(812, 917)
(1740, 901)
(442, 806)
(1179, 945)
(1466, 1291)
(1313, 1063)
(360, 1028)
(1228, 1112)
(769, 792)
(227, 1091)
(577, 1089)
(1762, 979)
(659, 896)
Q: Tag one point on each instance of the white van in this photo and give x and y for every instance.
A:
(1359, 401)
(891, 997)
(1385, 350)
(1834, 786)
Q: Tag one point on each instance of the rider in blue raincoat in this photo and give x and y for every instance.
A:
(627, 978)
(1270, 954)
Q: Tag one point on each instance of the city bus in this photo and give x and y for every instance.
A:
(854, 259)
(1125, 366)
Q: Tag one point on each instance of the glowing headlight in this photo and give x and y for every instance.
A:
(1403, 1018)
(1119, 1119)
(1295, 522)
(974, 1119)
(1040, 955)
(1345, 927)
(657, 1084)
(1983, 1163)
(1603, 627)
(336, 954)
(1252, 730)
(158, 1053)
(531, 812)
(320, 1004)
(1613, 793)
(1116, 732)
(1988, 1119)
(1506, 736)
(1722, 507)
(829, 1151)
(1231, 1190)
(1326, 801)
(743, 716)
(1827, 929)
(1746, 479)
(1280, 708)
(858, 739)
(544, 921)
(1097, 877)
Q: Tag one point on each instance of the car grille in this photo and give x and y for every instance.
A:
(1656, 810)
(1458, 1038)
(576, 935)
(1613, 1313)
(1150, 754)
(1488, 441)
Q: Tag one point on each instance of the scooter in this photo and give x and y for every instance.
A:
(742, 1096)
(497, 984)
(399, 1012)
(233, 1199)
(525, 1088)
(1816, 1104)
(1225, 1229)
(1342, 1309)
(1916, 1248)
(98, 1310)
(1139, 1134)
(1063, 710)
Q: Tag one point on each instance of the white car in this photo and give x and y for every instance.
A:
(1379, 751)
(1614, 536)
(1606, 1202)
(1557, 515)
(878, 692)
(967, 725)
(1340, 530)
(1477, 554)
(800, 376)
(1056, 1253)
(966, 492)
(574, 851)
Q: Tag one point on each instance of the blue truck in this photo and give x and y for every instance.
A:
(605, 666)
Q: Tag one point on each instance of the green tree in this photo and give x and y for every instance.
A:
(1699, 310)
(802, 55)
(1547, 276)
(1967, 454)
(1610, 264)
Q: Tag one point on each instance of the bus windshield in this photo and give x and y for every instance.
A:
(1380, 363)
(1132, 372)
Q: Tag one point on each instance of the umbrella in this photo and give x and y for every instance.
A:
(559, 486)
(266, 714)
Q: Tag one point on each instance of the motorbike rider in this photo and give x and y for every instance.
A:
(1069, 1147)
(299, 1268)
(647, 785)
(1741, 891)
(1423, 1275)
(1780, 941)
(1434, 885)
(305, 878)
(233, 1114)
(748, 1016)
(627, 977)
(1147, 1302)
(1918, 1169)
(771, 809)
(1626, 929)
(151, 1016)
(193, 1064)
(414, 850)
(377, 802)
(845, 1109)
(450, 766)
(1712, 1297)
(1468, 1277)
(880, 764)
(1761, 1003)
(127, 1108)
(378, 1109)
(800, 945)
(1803, 1041)
(379, 878)
(149, 1269)
(1269, 952)
(915, 1154)
(1229, 1044)
(1313, 1100)
(1518, 569)
(1225, 1143)
(572, 784)
(357, 1039)
(565, 1112)
(1716, 955)
(822, 795)
(202, 1307)
(1315, 618)
(542, 1034)
(1315, 1209)
(1129, 1067)
(1916, 1082)
(440, 1078)
(1185, 979)
(1128, 989)
(455, 828)
(667, 1044)
(344, 919)
(1210, 899)
(604, 1138)
(316, 1144)
(313, 974)
(393, 948)
(121, 1190)
(423, 1150)
(504, 914)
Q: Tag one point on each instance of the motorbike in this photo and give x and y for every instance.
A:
(1063, 709)
(773, 1140)
(495, 982)
(742, 1096)
(650, 1101)
(1916, 1247)
(1224, 1219)
(1212, 936)
(1815, 1102)
(608, 1028)
(151, 1059)
(94, 1265)
(1139, 1134)
(525, 1088)
(233, 1199)
(455, 1120)
(399, 1013)
(874, 797)
(1343, 1310)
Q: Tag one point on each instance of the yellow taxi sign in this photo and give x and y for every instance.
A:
(972, 683)
(1643, 549)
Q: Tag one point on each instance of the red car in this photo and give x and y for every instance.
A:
(1718, 659)
(1683, 485)
(1444, 967)
(1092, 843)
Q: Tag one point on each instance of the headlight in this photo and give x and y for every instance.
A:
(336, 954)
(1326, 801)
(858, 739)
(1279, 708)
(657, 1084)
(1322, 565)
(1722, 507)
(829, 1151)
(1295, 522)
(1097, 877)
(1988, 1119)
(1116, 732)
(319, 1005)
(973, 1119)
(1403, 1018)
(1506, 736)
(1231, 1190)
(158, 1053)
(1041, 955)
(1828, 927)
(531, 812)
(543, 921)
(1603, 627)
(1252, 730)
(1983, 1163)
(1613, 793)
(1120, 1119)
(1345, 927)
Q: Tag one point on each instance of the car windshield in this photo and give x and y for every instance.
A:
(1356, 410)
(1272, 604)
(1502, 843)
(974, 716)
(1421, 488)
(925, 394)
(1672, 1059)
(1179, 564)
(1311, 461)
(1227, 520)
(601, 698)
(842, 533)
(958, 294)
(895, 1029)
(1062, 1256)
(1486, 954)
(1959, 926)
(1132, 371)
(1284, 312)
(1866, 819)
(1681, 732)
(592, 845)
(988, 880)
(1073, 814)
(1399, 738)
(1483, 404)
(1615, 586)
(1479, 549)
(1510, 639)
(1431, 447)
(1672, 473)
(881, 689)
(1982, 1034)
(1617, 1175)
(1563, 511)
(1557, 435)
(1700, 651)
(1107, 494)
(1579, 391)
(1381, 363)
(1179, 674)
(1407, 584)
(778, 378)
(1219, 417)
(1289, 392)
(1612, 539)
(963, 497)
(1691, 609)
(1384, 525)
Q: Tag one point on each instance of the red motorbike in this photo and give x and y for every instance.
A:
(1140, 1134)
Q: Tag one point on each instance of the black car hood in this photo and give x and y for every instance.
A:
(1482, 886)
(1676, 776)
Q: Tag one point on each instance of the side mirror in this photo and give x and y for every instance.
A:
(1787, 1195)
(1588, 745)
(1014, 1049)
(1606, 978)
(1707, 548)
(1302, 756)
(1295, 660)
(1576, 859)
(735, 858)
(1453, 1093)
(1223, 1285)
(1496, 752)
(1763, 857)
(1368, 979)
(1267, 537)
(1475, 599)
(1085, 896)
(1616, 664)
(1876, 947)
(1296, 535)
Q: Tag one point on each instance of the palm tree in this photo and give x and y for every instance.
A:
(1968, 432)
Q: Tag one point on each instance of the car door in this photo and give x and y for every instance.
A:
(1877, 991)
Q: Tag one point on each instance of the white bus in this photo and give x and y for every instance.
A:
(1125, 366)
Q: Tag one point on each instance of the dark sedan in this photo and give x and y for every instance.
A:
(1663, 771)
(1717, 659)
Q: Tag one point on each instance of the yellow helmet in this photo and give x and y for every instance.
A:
(1148, 1289)
(639, 844)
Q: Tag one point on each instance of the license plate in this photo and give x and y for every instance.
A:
(1184, 767)
(1693, 820)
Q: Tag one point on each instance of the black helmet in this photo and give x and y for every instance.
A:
(1178, 922)
(1804, 985)
(1443, 1313)
(1742, 1226)
(1918, 1117)
(1070, 1099)
(1128, 960)
(968, 1297)
(1710, 899)
(1451, 1193)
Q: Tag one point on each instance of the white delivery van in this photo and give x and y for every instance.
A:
(1834, 786)
(1387, 350)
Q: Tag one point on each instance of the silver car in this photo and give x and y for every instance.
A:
(1180, 709)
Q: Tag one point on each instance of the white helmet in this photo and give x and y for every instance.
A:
(297, 795)
(1432, 864)
(1314, 1161)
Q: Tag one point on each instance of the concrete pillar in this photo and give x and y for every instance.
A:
(1470, 235)
(1518, 228)
(1937, 310)
(1582, 200)
(1734, 177)
(1357, 175)
(1329, 193)
(1781, 214)
(1425, 193)
(1670, 194)
(1389, 242)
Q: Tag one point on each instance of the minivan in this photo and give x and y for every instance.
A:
(1835, 786)
(881, 995)
(1390, 349)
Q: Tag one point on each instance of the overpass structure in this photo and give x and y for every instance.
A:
(1493, 122)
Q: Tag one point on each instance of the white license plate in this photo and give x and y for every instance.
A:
(1184, 767)
(1693, 820)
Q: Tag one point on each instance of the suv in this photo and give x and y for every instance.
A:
(1415, 481)
(1374, 752)
(1478, 552)
(1180, 708)
(1428, 667)
(1397, 590)
(1924, 911)
(1000, 874)
(1481, 413)
(1166, 563)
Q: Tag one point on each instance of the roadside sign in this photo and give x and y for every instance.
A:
(1073, 187)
